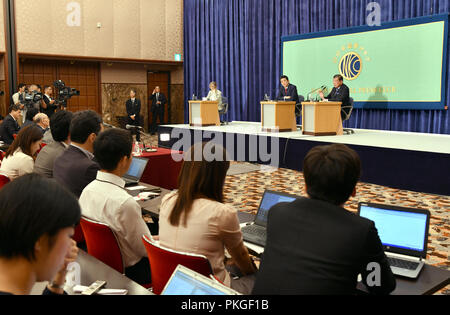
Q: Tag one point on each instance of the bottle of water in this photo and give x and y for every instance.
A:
(137, 149)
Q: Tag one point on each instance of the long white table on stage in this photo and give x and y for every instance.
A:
(373, 138)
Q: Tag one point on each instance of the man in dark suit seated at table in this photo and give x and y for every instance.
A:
(134, 113)
(339, 93)
(10, 126)
(288, 92)
(76, 167)
(315, 246)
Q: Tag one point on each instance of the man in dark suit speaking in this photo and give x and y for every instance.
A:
(134, 113)
(288, 92)
(340, 93)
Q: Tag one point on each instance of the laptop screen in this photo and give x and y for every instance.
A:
(269, 200)
(136, 169)
(182, 283)
(404, 230)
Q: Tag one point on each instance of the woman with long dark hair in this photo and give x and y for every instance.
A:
(20, 157)
(195, 219)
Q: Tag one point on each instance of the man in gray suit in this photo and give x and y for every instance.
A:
(60, 123)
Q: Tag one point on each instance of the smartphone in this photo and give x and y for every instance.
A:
(94, 288)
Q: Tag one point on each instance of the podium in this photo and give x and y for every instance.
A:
(204, 113)
(322, 119)
(278, 116)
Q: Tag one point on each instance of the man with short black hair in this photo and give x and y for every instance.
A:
(105, 200)
(315, 246)
(17, 98)
(340, 93)
(10, 125)
(48, 105)
(45, 160)
(288, 92)
(76, 167)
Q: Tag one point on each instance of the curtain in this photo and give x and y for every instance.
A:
(237, 43)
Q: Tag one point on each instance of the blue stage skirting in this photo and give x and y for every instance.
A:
(426, 172)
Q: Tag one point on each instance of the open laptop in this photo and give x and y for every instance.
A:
(255, 232)
(404, 234)
(134, 174)
(185, 281)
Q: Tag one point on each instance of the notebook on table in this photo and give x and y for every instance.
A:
(185, 281)
(135, 172)
(404, 234)
(256, 231)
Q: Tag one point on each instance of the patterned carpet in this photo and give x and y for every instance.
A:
(245, 191)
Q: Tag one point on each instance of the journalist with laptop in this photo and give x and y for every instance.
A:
(314, 245)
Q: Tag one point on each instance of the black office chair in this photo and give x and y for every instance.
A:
(224, 111)
(347, 110)
(299, 108)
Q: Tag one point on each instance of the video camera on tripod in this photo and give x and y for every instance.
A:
(64, 93)
(32, 99)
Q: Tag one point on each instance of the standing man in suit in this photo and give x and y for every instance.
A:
(76, 167)
(340, 93)
(159, 102)
(288, 92)
(134, 113)
(314, 245)
(48, 105)
(10, 125)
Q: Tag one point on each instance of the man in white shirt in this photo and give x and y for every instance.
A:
(18, 97)
(105, 200)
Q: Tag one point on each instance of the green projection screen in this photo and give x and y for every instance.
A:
(399, 65)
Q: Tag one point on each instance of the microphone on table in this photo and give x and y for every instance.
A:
(323, 88)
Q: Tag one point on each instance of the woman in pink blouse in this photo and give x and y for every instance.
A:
(194, 219)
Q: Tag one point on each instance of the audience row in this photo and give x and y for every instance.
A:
(314, 246)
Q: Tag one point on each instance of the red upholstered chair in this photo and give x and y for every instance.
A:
(78, 236)
(102, 243)
(4, 180)
(163, 263)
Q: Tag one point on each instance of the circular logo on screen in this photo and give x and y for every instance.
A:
(350, 66)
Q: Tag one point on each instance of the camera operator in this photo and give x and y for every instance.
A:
(32, 99)
(19, 96)
(48, 105)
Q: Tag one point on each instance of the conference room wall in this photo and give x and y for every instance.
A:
(117, 79)
(131, 29)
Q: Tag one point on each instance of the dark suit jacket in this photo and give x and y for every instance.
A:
(162, 98)
(292, 92)
(314, 247)
(134, 109)
(341, 95)
(75, 170)
(50, 110)
(8, 128)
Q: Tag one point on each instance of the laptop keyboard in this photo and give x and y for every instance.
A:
(255, 230)
(393, 262)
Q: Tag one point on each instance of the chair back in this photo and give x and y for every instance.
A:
(4, 180)
(299, 106)
(102, 243)
(164, 261)
(348, 109)
(225, 105)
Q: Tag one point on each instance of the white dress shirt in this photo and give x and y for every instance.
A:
(105, 200)
(17, 165)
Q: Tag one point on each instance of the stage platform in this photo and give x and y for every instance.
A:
(404, 160)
